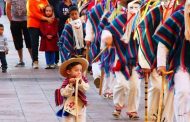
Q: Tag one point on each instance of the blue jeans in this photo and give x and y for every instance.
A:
(3, 60)
(50, 58)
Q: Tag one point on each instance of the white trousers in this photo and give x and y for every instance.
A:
(154, 97)
(109, 83)
(168, 112)
(96, 69)
(71, 118)
(154, 92)
(182, 96)
(127, 92)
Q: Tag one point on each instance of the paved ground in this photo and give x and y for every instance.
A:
(27, 95)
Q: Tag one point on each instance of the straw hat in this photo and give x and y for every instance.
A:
(125, 2)
(82, 61)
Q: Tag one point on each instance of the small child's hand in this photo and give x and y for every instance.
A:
(72, 81)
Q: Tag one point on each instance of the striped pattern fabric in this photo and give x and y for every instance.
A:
(145, 30)
(81, 95)
(171, 34)
(67, 42)
(58, 98)
(107, 60)
(94, 17)
(127, 53)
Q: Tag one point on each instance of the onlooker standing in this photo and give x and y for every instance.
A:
(3, 49)
(16, 13)
(49, 38)
(63, 13)
(55, 4)
(35, 10)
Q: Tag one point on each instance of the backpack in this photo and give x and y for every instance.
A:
(58, 97)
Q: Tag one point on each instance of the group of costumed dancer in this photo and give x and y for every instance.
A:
(128, 42)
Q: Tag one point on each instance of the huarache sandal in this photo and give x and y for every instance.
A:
(133, 115)
(116, 113)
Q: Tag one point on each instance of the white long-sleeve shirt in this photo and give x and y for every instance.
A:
(162, 53)
(142, 60)
(89, 31)
(106, 35)
(70, 89)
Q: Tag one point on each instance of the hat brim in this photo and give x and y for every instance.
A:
(82, 61)
(125, 3)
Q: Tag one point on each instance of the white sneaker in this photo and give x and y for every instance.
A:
(52, 66)
(35, 65)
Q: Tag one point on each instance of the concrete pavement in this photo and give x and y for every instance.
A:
(27, 95)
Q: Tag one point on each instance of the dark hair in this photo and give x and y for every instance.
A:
(73, 8)
(71, 65)
(1, 25)
(138, 2)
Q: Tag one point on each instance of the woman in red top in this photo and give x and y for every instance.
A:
(49, 38)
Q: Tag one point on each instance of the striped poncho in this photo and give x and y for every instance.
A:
(94, 17)
(171, 34)
(146, 29)
(127, 53)
(67, 42)
(108, 57)
(107, 60)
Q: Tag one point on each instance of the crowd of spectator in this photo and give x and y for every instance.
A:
(30, 22)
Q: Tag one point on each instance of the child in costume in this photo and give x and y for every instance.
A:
(72, 38)
(173, 54)
(147, 58)
(72, 70)
(127, 89)
(49, 38)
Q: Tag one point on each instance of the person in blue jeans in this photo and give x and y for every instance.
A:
(3, 49)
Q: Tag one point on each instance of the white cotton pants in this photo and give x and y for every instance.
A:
(109, 83)
(154, 92)
(182, 96)
(96, 69)
(168, 112)
(154, 98)
(127, 92)
(71, 118)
